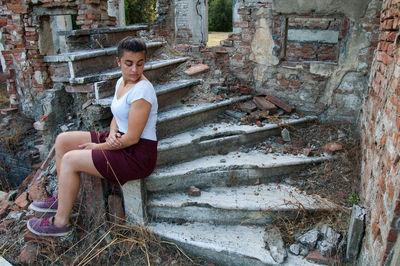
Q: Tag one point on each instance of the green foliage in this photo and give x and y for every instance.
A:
(354, 199)
(139, 11)
(220, 15)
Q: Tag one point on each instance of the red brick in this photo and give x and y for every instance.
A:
(382, 184)
(199, 68)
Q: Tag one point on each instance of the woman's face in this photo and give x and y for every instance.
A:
(132, 65)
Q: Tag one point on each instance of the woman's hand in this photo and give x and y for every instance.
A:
(89, 146)
(113, 140)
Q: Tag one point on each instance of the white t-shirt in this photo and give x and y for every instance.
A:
(120, 107)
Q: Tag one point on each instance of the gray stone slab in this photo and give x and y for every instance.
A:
(218, 139)
(235, 205)
(134, 27)
(238, 169)
(356, 232)
(224, 245)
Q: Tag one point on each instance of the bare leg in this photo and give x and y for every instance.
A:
(72, 163)
(69, 141)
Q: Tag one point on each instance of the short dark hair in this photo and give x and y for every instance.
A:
(131, 44)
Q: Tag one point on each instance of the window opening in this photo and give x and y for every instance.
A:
(219, 21)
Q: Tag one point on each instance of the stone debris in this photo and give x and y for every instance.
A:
(194, 192)
(234, 114)
(264, 104)
(285, 135)
(279, 103)
(275, 244)
(197, 69)
(332, 147)
(315, 256)
(356, 232)
(37, 192)
(14, 215)
(295, 249)
(310, 238)
(22, 200)
(248, 106)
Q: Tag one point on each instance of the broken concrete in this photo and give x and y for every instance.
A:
(275, 244)
(310, 238)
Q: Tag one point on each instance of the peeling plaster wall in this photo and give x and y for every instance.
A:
(334, 90)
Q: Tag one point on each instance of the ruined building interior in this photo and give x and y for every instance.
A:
(318, 61)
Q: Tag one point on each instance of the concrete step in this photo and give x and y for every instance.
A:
(232, 169)
(260, 204)
(219, 139)
(98, 38)
(169, 95)
(152, 71)
(224, 245)
(186, 117)
(83, 62)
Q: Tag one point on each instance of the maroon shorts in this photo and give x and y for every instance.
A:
(120, 166)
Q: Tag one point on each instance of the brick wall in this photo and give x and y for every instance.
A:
(20, 23)
(380, 142)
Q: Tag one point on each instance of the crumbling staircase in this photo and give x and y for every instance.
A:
(226, 222)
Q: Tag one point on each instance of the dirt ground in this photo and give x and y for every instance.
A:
(215, 37)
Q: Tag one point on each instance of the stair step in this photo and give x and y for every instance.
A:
(232, 169)
(224, 244)
(169, 95)
(218, 138)
(186, 117)
(98, 38)
(152, 70)
(85, 62)
(260, 204)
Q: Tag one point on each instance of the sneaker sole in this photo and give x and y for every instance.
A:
(44, 234)
(37, 209)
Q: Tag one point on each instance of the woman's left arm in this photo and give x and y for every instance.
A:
(138, 115)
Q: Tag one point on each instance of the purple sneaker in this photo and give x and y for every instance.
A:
(49, 205)
(45, 227)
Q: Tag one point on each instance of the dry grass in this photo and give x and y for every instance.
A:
(215, 37)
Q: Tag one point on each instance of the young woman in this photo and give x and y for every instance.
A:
(127, 152)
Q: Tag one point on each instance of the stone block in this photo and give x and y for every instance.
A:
(310, 238)
(356, 232)
(134, 201)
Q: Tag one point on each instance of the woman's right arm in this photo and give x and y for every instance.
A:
(113, 137)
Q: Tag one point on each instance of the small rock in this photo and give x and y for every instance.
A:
(196, 69)
(332, 147)
(307, 151)
(285, 135)
(295, 249)
(310, 238)
(280, 140)
(304, 250)
(219, 98)
(257, 182)
(22, 200)
(37, 192)
(223, 160)
(326, 248)
(13, 215)
(28, 254)
(315, 256)
(248, 107)
(4, 206)
(259, 124)
(194, 191)
(234, 114)
(275, 244)
(289, 181)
